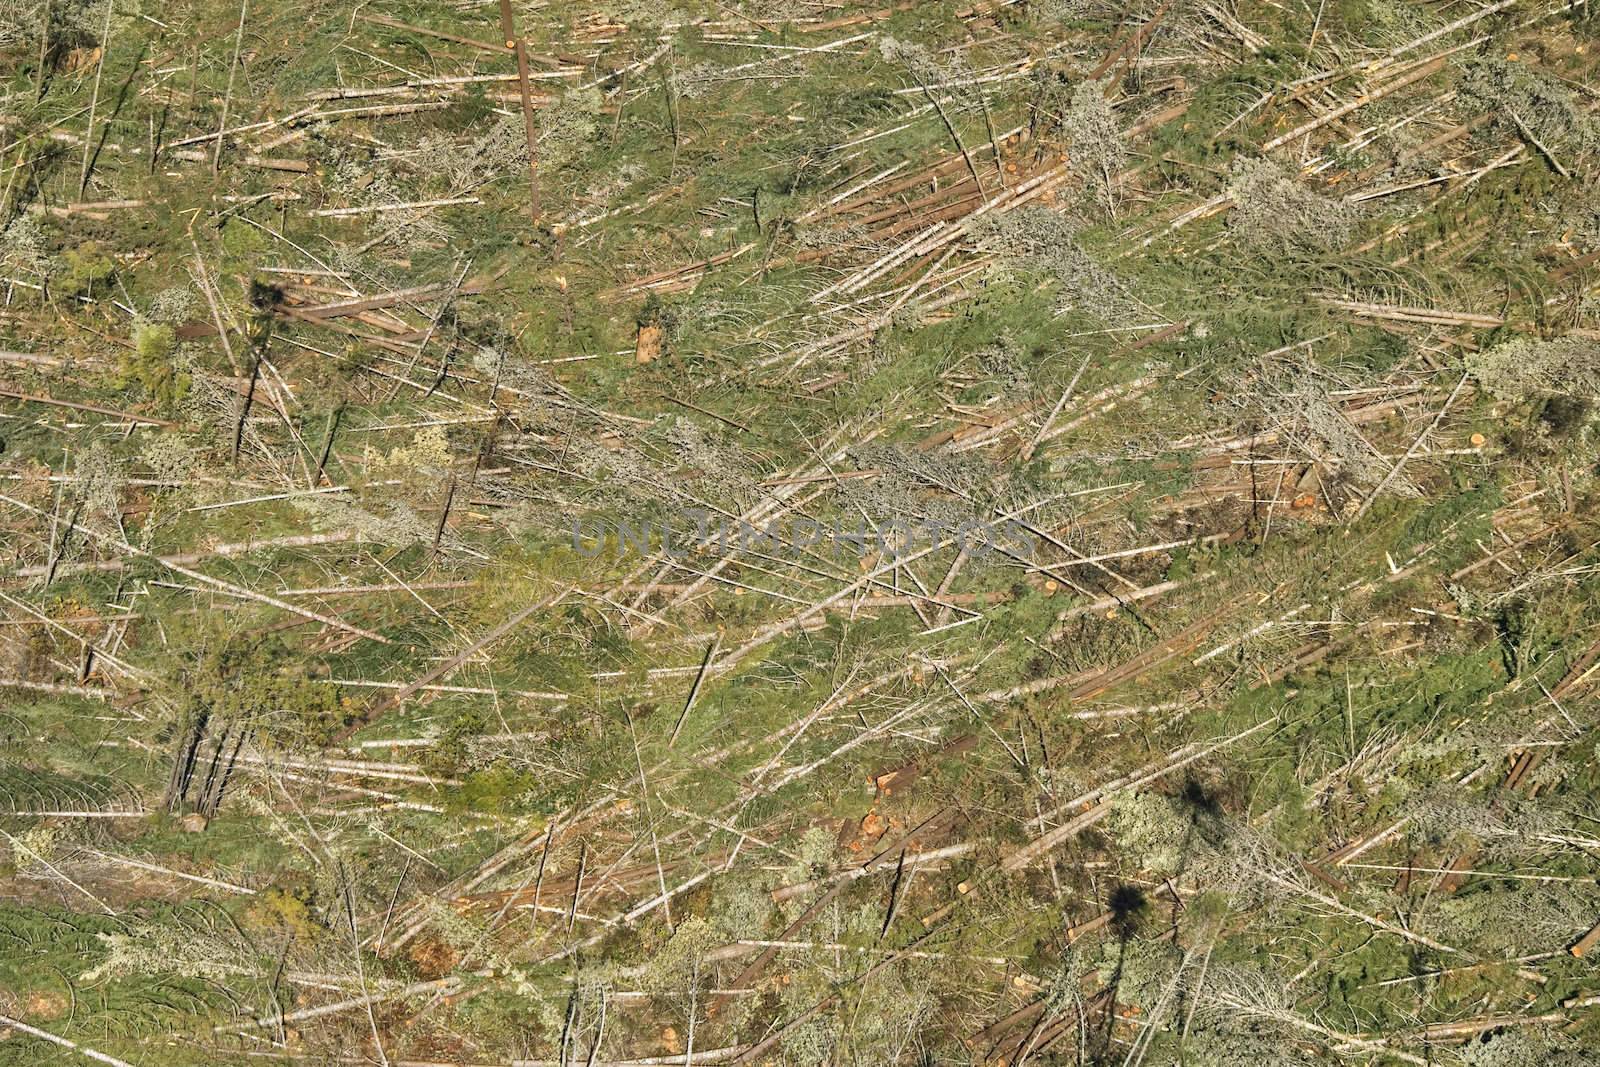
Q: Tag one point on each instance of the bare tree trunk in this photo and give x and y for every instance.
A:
(211, 771)
(327, 445)
(212, 801)
(244, 408)
(94, 101)
(509, 28)
(44, 50)
(227, 96)
(183, 764)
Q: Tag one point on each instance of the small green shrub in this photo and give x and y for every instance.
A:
(153, 365)
(86, 267)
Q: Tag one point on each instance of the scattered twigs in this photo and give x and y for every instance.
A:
(1428, 69)
(94, 102)
(449, 666)
(206, 579)
(1394, 472)
(227, 96)
(1429, 316)
(126, 416)
(55, 1039)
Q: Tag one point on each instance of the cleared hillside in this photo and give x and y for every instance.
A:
(791, 532)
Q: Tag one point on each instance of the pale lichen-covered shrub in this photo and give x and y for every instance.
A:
(708, 462)
(1514, 92)
(498, 151)
(34, 850)
(1347, 451)
(1061, 10)
(1296, 398)
(1272, 210)
(647, 15)
(213, 951)
(681, 963)
(1579, 224)
(1228, 1043)
(567, 130)
(1143, 969)
(1452, 818)
(1151, 829)
(19, 21)
(1242, 1014)
(948, 76)
(397, 525)
(1512, 922)
(1094, 143)
(1526, 369)
(174, 306)
(101, 479)
(1043, 240)
(72, 22)
(902, 1005)
(963, 474)
(741, 910)
(1394, 22)
(24, 246)
(1518, 1047)
(809, 1042)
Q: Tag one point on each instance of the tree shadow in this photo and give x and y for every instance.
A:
(1128, 905)
(105, 124)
